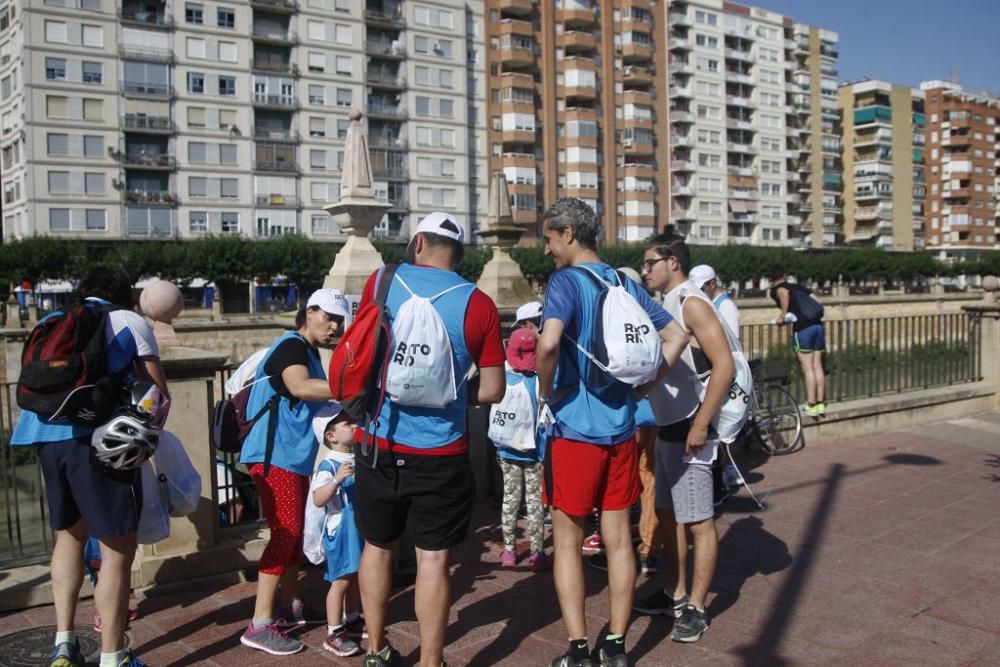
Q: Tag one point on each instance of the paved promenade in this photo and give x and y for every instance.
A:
(875, 551)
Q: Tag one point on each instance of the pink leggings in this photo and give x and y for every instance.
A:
(283, 497)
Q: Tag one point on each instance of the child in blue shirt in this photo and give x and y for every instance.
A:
(333, 488)
(520, 451)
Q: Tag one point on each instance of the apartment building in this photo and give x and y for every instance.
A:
(577, 107)
(883, 136)
(751, 108)
(144, 119)
(963, 170)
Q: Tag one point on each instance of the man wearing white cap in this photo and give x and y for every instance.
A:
(704, 277)
(528, 316)
(419, 479)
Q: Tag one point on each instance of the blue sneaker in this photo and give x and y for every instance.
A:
(67, 655)
(131, 661)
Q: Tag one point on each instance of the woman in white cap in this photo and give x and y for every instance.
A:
(280, 450)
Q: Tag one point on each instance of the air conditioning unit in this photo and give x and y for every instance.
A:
(628, 142)
(628, 70)
(437, 49)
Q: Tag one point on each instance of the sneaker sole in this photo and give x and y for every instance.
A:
(342, 654)
(591, 551)
(260, 647)
(687, 640)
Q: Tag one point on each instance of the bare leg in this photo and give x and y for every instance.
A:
(805, 360)
(375, 579)
(567, 538)
(819, 375)
(267, 590)
(617, 538)
(335, 602)
(432, 599)
(352, 599)
(113, 586)
(67, 573)
(706, 552)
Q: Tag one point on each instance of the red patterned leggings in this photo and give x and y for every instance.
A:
(283, 497)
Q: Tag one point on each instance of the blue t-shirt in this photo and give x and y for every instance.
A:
(644, 413)
(127, 337)
(538, 454)
(572, 298)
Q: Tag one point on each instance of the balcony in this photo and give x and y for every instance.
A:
(161, 198)
(265, 35)
(577, 42)
(873, 138)
(680, 68)
(277, 135)
(515, 7)
(873, 114)
(681, 117)
(389, 20)
(636, 52)
(679, 45)
(148, 91)
(384, 80)
(275, 66)
(524, 160)
(516, 55)
(146, 53)
(681, 140)
(276, 6)
(746, 172)
(148, 124)
(277, 200)
(681, 190)
(682, 214)
(385, 49)
(680, 92)
(734, 147)
(740, 55)
(517, 27)
(521, 136)
(278, 102)
(580, 15)
(636, 148)
(144, 18)
(396, 173)
(636, 75)
(158, 162)
(387, 141)
(387, 111)
(738, 101)
(639, 170)
(679, 20)
(150, 229)
(738, 124)
(280, 166)
(737, 77)
(681, 166)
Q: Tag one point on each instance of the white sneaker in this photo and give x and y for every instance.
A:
(731, 476)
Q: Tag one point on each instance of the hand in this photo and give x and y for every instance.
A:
(697, 438)
(545, 416)
(343, 472)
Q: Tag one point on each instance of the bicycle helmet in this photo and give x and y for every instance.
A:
(125, 442)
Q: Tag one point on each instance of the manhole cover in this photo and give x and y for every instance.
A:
(30, 648)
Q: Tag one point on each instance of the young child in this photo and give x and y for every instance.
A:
(521, 465)
(333, 488)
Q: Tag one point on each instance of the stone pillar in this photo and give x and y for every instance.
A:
(502, 279)
(13, 313)
(357, 212)
(188, 552)
(986, 315)
(217, 305)
(32, 315)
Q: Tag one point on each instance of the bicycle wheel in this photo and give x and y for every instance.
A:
(777, 422)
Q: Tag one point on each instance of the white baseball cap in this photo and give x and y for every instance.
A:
(322, 419)
(701, 274)
(331, 301)
(442, 224)
(529, 311)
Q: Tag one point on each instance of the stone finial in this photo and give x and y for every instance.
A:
(357, 211)
(498, 211)
(162, 302)
(990, 285)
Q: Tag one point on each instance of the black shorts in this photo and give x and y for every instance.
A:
(109, 501)
(431, 496)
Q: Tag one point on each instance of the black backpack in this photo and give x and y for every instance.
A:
(64, 368)
(802, 304)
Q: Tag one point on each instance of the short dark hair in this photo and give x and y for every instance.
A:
(300, 315)
(110, 282)
(438, 241)
(575, 213)
(671, 245)
(776, 271)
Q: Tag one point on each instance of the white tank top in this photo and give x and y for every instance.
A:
(677, 398)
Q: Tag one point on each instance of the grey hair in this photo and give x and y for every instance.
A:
(577, 214)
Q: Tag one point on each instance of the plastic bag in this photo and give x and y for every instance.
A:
(177, 474)
(154, 522)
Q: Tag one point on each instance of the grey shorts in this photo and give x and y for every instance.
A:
(686, 487)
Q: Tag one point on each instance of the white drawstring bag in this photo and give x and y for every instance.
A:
(154, 521)
(512, 420)
(421, 369)
(175, 471)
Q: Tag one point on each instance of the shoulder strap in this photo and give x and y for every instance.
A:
(272, 429)
(435, 297)
(385, 282)
(590, 272)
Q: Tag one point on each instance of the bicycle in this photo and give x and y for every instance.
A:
(774, 418)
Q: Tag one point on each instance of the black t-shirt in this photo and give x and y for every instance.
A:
(291, 352)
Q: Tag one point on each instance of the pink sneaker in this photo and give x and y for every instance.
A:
(539, 562)
(508, 558)
(593, 544)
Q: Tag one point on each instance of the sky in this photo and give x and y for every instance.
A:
(908, 41)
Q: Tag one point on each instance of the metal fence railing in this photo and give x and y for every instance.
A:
(881, 355)
(236, 494)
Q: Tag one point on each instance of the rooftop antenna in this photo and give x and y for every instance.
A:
(954, 75)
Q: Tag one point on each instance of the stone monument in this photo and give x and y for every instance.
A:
(356, 213)
(161, 302)
(502, 278)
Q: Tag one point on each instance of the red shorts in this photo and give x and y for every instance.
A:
(580, 476)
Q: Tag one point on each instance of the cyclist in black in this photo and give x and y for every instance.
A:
(808, 334)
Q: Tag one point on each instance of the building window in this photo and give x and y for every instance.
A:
(55, 32)
(97, 220)
(226, 17)
(227, 85)
(93, 35)
(196, 48)
(320, 224)
(317, 95)
(56, 106)
(229, 188)
(230, 223)
(228, 52)
(344, 97)
(93, 146)
(93, 109)
(93, 72)
(194, 13)
(197, 186)
(59, 219)
(198, 222)
(93, 183)
(345, 65)
(317, 62)
(195, 82)
(55, 69)
(317, 127)
(58, 182)
(227, 153)
(342, 125)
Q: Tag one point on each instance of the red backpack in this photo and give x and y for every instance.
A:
(358, 365)
(65, 357)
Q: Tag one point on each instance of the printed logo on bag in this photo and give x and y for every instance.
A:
(417, 357)
(736, 391)
(635, 332)
(500, 418)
